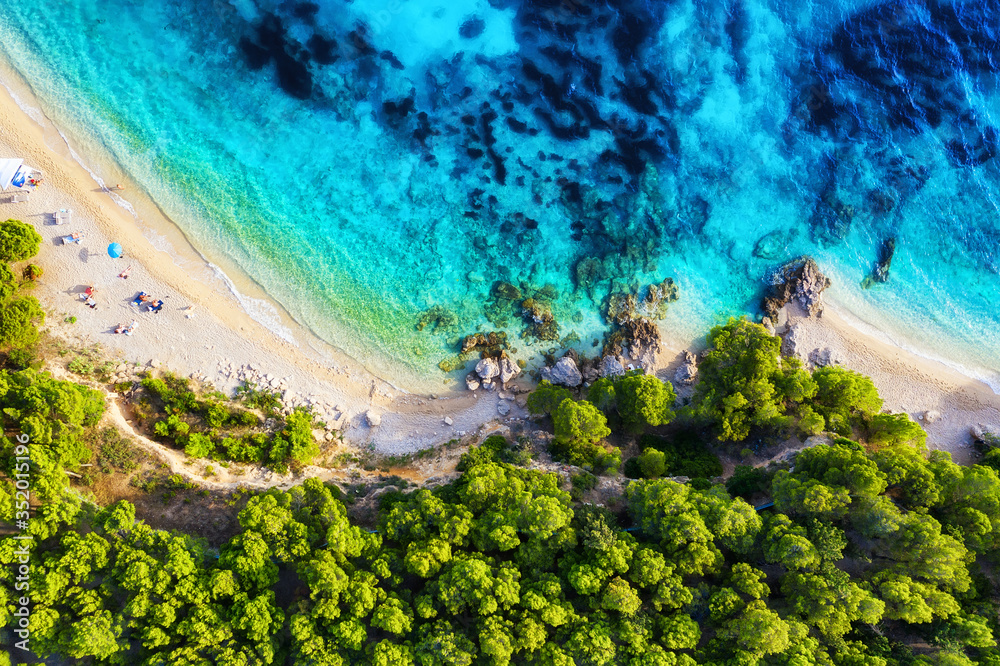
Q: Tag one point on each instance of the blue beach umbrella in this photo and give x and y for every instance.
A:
(115, 250)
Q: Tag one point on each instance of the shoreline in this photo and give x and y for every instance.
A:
(228, 339)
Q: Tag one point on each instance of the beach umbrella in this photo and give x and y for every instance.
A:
(115, 250)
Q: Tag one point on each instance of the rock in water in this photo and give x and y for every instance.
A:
(472, 381)
(688, 372)
(798, 280)
(563, 372)
(772, 245)
(881, 271)
(373, 419)
(487, 369)
(508, 369)
(611, 367)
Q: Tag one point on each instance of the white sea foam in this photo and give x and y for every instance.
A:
(259, 310)
(33, 111)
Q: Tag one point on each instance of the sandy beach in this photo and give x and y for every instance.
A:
(203, 331)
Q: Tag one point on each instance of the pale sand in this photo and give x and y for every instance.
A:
(219, 337)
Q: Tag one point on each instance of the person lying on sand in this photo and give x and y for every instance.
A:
(140, 298)
(127, 330)
(73, 238)
(125, 273)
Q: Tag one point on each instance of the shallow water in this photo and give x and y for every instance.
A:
(366, 162)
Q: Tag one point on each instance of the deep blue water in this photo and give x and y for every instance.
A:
(366, 161)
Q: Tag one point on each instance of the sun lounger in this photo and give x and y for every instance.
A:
(72, 238)
(20, 197)
(138, 299)
(64, 216)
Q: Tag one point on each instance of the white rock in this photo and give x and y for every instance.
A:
(611, 367)
(508, 369)
(448, 421)
(932, 416)
(489, 386)
(373, 419)
(487, 368)
(503, 408)
(563, 372)
(472, 381)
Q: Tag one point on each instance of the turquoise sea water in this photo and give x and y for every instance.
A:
(365, 162)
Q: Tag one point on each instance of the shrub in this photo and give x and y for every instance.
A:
(32, 272)
(172, 427)
(253, 397)
(80, 366)
(747, 481)
(652, 463)
(302, 445)
(684, 455)
(18, 241)
(198, 445)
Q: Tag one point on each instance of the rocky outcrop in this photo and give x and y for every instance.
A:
(881, 271)
(508, 369)
(493, 342)
(799, 280)
(687, 373)
(611, 366)
(634, 339)
(564, 372)
(820, 358)
(487, 369)
(538, 316)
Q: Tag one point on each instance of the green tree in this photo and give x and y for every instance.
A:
(737, 380)
(18, 321)
(547, 397)
(652, 463)
(578, 428)
(843, 396)
(18, 241)
(644, 401)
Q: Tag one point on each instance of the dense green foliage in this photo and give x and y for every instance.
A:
(18, 241)
(210, 426)
(682, 454)
(862, 550)
(744, 382)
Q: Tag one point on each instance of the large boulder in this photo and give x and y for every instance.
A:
(487, 369)
(687, 373)
(611, 366)
(564, 372)
(373, 419)
(508, 369)
(798, 280)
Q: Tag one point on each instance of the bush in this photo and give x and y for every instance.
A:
(253, 397)
(32, 272)
(652, 463)
(21, 358)
(199, 445)
(748, 481)
(810, 423)
(18, 241)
